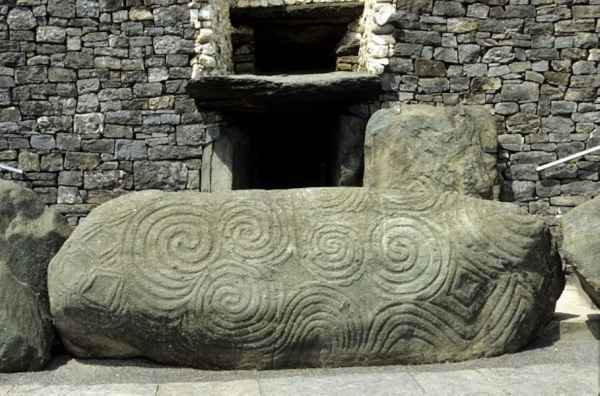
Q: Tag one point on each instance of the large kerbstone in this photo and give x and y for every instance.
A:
(452, 147)
(30, 235)
(308, 277)
(581, 244)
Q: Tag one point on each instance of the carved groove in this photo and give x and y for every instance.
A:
(335, 256)
(415, 258)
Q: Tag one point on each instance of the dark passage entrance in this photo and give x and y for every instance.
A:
(297, 48)
(290, 39)
(291, 150)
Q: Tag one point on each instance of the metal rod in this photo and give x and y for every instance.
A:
(568, 158)
(11, 169)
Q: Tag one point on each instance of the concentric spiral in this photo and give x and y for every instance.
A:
(255, 232)
(170, 244)
(335, 253)
(237, 306)
(414, 258)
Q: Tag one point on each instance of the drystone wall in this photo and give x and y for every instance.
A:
(533, 63)
(92, 99)
(93, 103)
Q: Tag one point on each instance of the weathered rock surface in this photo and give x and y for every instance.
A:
(453, 147)
(250, 93)
(307, 277)
(30, 235)
(581, 244)
(341, 12)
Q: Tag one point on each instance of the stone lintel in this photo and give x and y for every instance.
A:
(254, 93)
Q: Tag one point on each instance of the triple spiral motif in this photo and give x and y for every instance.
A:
(222, 262)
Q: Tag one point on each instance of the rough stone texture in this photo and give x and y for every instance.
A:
(252, 93)
(30, 235)
(453, 147)
(531, 63)
(89, 85)
(349, 157)
(307, 277)
(581, 245)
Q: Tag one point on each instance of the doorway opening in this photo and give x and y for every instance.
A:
(290, 150)
(302, 39)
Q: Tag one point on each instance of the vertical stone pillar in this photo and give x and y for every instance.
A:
(210, 19)
(224, 165)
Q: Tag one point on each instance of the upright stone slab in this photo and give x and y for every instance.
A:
(309, 277)
(581, 244)
(30, 235)
(452, 147)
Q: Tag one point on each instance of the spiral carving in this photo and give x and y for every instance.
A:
(323, 313)
(398, 327)
(170, 244)
(333, 200)
(255, 232)
(236, 306)
(413, 257)
(420, 196)
(335, 253)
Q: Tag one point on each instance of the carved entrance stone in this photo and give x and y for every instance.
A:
(303, 278)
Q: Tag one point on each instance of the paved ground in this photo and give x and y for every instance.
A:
(565, 361)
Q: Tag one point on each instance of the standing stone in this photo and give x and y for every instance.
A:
(453, 147)
(30, 235)
(308, 277)
(581, 245)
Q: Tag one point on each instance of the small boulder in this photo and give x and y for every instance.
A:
(30, 235)
(453, 147)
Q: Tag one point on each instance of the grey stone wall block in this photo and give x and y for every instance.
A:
(51, 34)
(62, 8)
(21, 19)
(523, 92)
(92, 123)
(130, 150)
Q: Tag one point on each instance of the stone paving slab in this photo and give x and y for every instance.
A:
(228, 388)
(375, 384)
(90, 390)
(457, 383)
(550, 379)
(566, 361)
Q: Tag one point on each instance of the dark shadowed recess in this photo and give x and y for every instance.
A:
(297, 39)
(290, 150)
